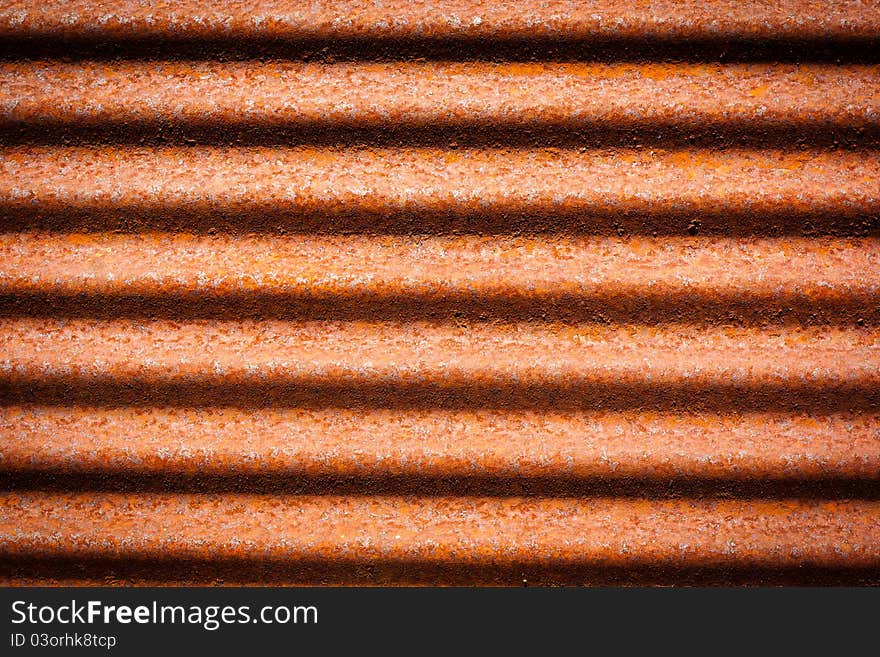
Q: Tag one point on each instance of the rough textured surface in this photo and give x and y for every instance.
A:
(405, 190)
(559, 18)
(562, 278)
(415, 534)
(532, 104)
(447, 529)
(528, 355)
(431, 451)
(440, 292)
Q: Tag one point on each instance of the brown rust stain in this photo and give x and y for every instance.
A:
(467, 98)
(425, 18)
(396, 188)
(446, 529)
(290, 447)
(425, 352)
(473, 293)
(677, 279)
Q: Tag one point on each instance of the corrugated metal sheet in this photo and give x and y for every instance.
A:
(440, 292)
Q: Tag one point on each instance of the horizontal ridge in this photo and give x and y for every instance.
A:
(762, 281)
(406, 190)
(459, 30)
(272, 18)
(609, 532)
(420, 365)
(434, 452)
(530, 104)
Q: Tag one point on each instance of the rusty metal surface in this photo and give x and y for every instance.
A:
(440, 293)
(740, 281)
(538, 358)
(448, 528)
(527, 103)
(414, 190)
(429, 533)
(268, 18)
(431, 451)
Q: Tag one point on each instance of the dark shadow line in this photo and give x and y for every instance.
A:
(631, 218)
(278, 571)
(109, 480)
(323, 392)
(616, 304)
(522, 48)
(635, 133)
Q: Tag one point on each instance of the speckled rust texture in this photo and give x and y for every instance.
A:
(439, 293)
(601, 531)
(271, 363)
(419, 352)
(421, 18)
(292, 447)
(527, 102)
(417, 189)
(501, 278)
